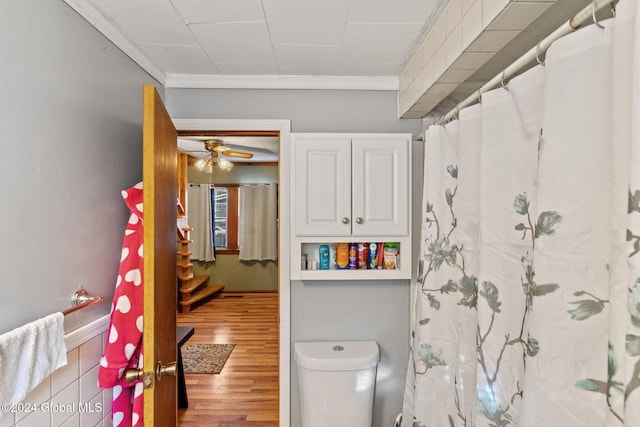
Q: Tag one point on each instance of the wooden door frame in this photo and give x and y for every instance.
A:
(284, 256)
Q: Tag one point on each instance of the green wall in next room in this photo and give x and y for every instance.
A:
(236, 275)
(227, 270)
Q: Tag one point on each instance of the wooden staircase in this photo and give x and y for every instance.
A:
(193, 288)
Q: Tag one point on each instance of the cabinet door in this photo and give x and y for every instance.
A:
(380, 188)
(323, 185)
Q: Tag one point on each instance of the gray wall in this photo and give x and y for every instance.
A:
(308, 110)
(329, 310)
(70, 120)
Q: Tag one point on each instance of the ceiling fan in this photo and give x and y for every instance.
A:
(215, 147)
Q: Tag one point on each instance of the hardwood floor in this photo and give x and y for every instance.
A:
(245, 393)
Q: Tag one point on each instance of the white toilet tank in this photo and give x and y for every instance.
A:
(337, 380)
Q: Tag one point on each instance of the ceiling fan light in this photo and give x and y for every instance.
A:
(205, 165)
(225, 164)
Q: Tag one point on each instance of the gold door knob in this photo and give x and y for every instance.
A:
(170, 369)
(133, 375)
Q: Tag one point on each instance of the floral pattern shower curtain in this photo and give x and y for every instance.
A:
(528, 300)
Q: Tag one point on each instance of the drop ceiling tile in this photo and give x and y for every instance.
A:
(235, 42)
(179, 59)
(369, 42)
(161, 23)
(248, 68)
(307, 60)
(386, 11)
(374, 69)
(306, 21)
(217, 11)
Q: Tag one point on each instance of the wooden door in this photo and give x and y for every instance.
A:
(322, 185)
(160, 200)
(380, 189)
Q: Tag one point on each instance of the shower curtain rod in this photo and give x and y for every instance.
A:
(586, 14)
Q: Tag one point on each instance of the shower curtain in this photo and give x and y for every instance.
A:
(527, 309)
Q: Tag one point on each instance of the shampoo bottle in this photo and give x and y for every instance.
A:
(324, 257)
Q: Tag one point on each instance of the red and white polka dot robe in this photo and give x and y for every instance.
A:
(124, 344)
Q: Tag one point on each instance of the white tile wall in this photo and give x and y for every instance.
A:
(74, 421)
(454, 44)
(440, 31)
(70, 397)
(67, 374)
(453, 15)
(491, 9)
(472, 23)
(464, 37)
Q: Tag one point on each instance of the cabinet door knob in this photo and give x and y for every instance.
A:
(359, 220)
(345, 220)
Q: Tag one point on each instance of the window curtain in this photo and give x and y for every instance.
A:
(527, 309)
(200, 220)
(258, 222)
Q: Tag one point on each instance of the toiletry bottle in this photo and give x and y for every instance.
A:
(342, 255)
(353, 256)
(363, 256)
(324, 257)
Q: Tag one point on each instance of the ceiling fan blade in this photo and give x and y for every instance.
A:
(239, 154)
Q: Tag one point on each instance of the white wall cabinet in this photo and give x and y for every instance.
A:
(322, 181)
(351, 188)
(352, 185)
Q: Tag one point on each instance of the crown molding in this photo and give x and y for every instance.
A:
(206, 81)
(95, 18)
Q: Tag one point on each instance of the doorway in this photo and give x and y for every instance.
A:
(283, 128)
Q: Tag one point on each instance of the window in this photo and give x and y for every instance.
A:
(220, 212)
(225, 213)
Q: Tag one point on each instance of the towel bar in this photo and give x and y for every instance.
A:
(80, 299)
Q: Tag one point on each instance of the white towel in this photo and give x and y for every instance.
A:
(29, 354)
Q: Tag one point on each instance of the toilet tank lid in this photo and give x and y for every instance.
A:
(337, 355)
